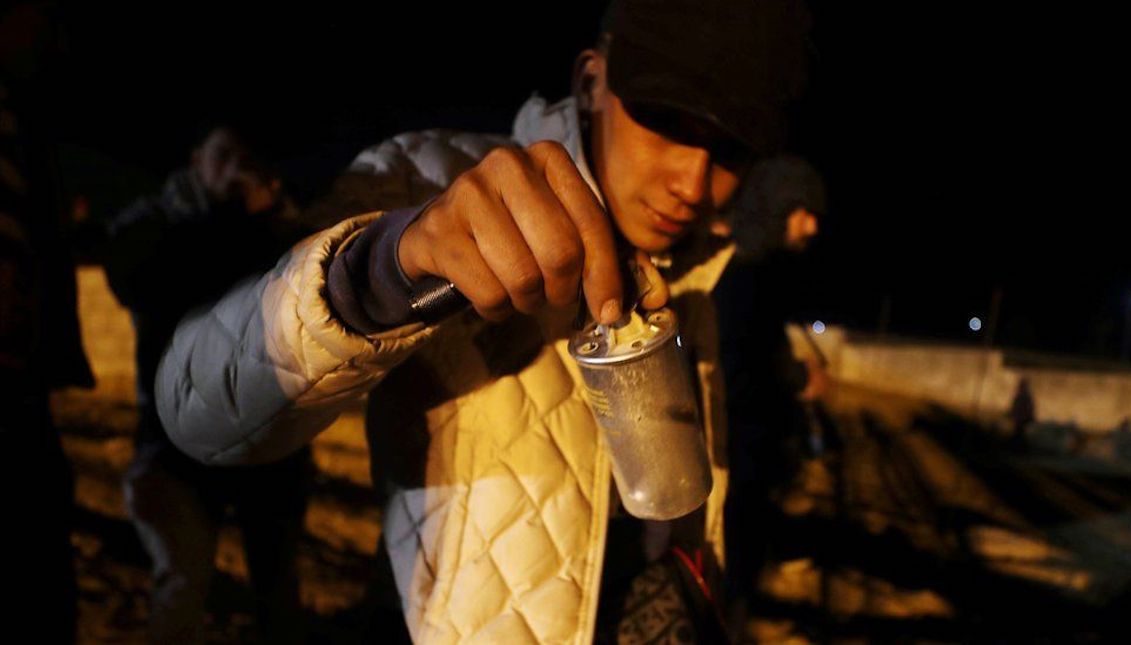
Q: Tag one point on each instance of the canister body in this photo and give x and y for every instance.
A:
(643, 399)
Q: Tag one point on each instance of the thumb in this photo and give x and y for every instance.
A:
(655, 290)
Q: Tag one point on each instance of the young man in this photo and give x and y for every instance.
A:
(767, 388)
(500, 497)
(224, 202)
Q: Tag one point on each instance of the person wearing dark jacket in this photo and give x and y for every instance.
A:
(227, 206)
(774, 220)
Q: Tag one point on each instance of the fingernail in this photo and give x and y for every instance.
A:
(610, 312)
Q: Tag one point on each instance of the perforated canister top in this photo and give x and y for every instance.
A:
(609, 344)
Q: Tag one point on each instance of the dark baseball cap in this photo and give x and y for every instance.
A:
(736, 64)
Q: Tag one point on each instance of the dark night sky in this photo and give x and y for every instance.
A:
(963, 151)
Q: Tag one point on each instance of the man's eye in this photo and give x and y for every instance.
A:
(656, 124)
(661, 121)
(689, 131)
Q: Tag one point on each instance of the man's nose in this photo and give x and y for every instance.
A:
(812, 224)
(690, 176)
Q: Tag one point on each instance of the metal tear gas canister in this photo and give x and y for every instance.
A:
(639, 388)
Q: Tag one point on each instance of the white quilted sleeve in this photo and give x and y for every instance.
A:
(269, 366)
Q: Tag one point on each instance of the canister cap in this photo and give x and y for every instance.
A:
(637, 337)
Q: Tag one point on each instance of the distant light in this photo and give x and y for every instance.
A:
(818, 327)
(975, 324)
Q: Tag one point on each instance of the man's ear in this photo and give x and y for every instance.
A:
(588, 78)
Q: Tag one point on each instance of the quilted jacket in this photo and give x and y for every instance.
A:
(500, 485)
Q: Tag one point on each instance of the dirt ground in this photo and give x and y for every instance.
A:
(342, 526)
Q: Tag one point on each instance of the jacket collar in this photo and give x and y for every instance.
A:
(699, 262)
(540, 121)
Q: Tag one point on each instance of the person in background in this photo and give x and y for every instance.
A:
(225, 205)
(775, 219)
(1022, 413)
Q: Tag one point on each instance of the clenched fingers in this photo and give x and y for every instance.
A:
(600, 272)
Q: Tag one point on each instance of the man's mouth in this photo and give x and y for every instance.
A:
(665, 224)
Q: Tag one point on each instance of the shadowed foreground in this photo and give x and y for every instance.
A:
(920, 526)
(915, 525)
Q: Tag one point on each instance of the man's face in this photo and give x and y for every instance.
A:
(800, 229)
(220, 163)
(662, 173)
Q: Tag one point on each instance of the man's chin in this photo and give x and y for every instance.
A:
(651, 241)
(795, 246)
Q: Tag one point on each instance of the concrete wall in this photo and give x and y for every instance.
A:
(967, 376)
(107, 337)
